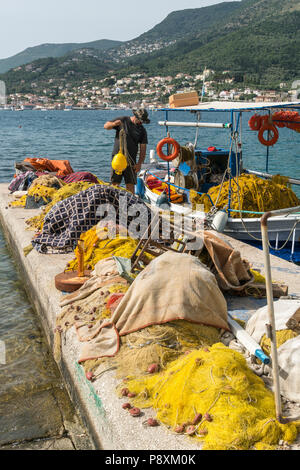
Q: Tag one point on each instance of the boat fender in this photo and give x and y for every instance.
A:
(219, 221)
(152, 156)
(163, 202)
(140, 188)
(119, 163)
(168, 141)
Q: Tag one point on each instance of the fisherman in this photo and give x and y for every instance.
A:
(136, 140)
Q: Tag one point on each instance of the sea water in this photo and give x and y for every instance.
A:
(79, 136)
(34, 405)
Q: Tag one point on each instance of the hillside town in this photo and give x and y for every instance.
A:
(138, 89)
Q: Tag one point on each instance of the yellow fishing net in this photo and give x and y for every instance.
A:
(20, 202)
(279, 179)
(36, 223)
(249, 193)
(258, 277)
(98, 246)
(156, 344)
(161, 344)
(281, 337)
(230, 406)
(37, 191)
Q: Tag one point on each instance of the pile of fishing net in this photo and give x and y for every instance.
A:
(96, 300)
(48, 180)
(98, 246)
(160, 317)
(40, 193)
(249, 193)
(212, 395)
(41, 189)
(157, 344)
(36, 223)
(281, 337)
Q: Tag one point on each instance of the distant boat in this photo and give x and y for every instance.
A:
(68, 107)
(27, 107)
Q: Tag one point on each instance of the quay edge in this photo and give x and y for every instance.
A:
(97, 403)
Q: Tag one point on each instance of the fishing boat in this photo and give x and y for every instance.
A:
(212, 166)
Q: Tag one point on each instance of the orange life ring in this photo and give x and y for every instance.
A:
(255, 122)
(277, 118)
(168, 141)
(289, 119)
(272, 130)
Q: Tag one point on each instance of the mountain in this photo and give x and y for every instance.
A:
(74, 67)
(257, 37)
(52, 50)
(179, 24)
(258, 41)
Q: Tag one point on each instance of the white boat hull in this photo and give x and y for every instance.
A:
(279, 228)
(248, 229)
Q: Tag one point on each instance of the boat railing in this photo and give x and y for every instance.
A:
(269, 176)
(211, 201)
(179, 187)
(212, 125)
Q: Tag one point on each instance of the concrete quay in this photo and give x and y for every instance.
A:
(110, 427)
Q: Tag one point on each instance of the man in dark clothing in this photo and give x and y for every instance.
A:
(136, 139)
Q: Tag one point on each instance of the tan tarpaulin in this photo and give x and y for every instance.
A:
(104, 273)
(231, 271)
(172, 287)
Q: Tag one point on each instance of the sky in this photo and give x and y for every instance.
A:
(27, 23)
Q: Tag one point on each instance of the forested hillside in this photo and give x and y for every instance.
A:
(257, 41)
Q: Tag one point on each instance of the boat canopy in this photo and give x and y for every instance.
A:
(234, 106)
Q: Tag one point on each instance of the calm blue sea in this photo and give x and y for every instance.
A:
(79, 137)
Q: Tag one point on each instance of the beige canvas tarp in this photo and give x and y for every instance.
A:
(231, 271)
(172, 287)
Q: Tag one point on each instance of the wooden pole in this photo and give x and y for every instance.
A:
(80, 258)
(271, 327)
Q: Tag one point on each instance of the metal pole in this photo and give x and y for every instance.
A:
(230, 166)
(209, 125)
(268, 149)
(168, 151)
(293, 242)
(271, 327)
(269, 176)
